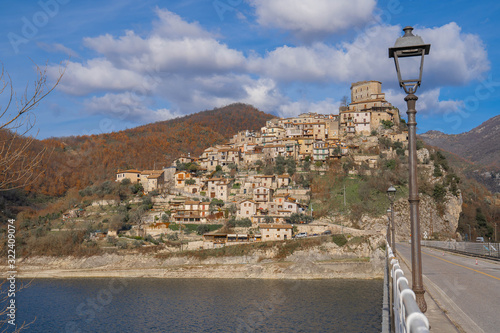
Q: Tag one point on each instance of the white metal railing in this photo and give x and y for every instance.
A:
(483, 249)
(406, 314)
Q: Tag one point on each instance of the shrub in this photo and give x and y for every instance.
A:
(173, 237)
(137, 187)
(340, 240)
(397, 145)
(420, 144)
(202, 229)
(437, 171)
(390, 164)
(384, 143)
(245, 223)
(387, 124)
(439, 192)
(122, 244)
(268, 219)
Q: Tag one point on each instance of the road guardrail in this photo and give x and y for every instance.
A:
(483, 250)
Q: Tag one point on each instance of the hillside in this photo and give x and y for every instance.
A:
(83, 160)
(479, 145)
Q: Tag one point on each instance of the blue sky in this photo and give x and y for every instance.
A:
(130, 63)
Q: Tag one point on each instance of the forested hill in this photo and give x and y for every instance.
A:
(83, 160)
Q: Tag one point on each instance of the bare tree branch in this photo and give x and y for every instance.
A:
(19, 160)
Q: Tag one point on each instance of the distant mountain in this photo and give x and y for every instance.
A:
(480, 145)
(76, 162)
(475, 153)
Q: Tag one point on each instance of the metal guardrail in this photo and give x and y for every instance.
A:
(485, 250)
(407, 316)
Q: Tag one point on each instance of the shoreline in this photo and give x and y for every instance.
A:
(275, 270)
(325, 261)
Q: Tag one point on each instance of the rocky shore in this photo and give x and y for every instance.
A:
(364, 260)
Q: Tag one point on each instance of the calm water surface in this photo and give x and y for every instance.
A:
(192, 305)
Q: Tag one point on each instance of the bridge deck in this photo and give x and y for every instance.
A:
(438, 320)
(467, 292)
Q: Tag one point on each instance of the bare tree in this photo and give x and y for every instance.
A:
(344, 101)
(19, 165)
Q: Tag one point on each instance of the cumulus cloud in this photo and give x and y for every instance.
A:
(163, 54)
(428, 102)
(172, 26)
(180, 62)
(313, 18)
(459, 60)
(291, 109)
(455, 58)
(127, 106)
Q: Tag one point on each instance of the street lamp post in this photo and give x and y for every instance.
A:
(389, 226)
(405, 47)
(391, 193)
(470, 235)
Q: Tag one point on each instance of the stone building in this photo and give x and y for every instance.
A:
(367, 110)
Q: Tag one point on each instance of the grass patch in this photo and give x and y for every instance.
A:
(356, 240)
(284, 249)
(361, 195)
(191, 227)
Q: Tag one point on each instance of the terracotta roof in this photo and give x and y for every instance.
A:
(128, 171)
(247, 200)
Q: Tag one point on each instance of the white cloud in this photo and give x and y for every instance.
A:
(313, 18)
(57, 47)
(97, 74)
(131, 62)
(127, 106)
(455, 58)
(172, 26)
(428, 102)
(183, 64)
(292, 109)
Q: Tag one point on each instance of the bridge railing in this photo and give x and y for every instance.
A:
(474, 248)
(406, 314)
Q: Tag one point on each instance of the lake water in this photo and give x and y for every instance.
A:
(195, 305)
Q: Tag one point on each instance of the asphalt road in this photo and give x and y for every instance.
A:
(475, 289)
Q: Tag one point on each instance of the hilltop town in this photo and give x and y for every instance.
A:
(273, 196)
(257, 178)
